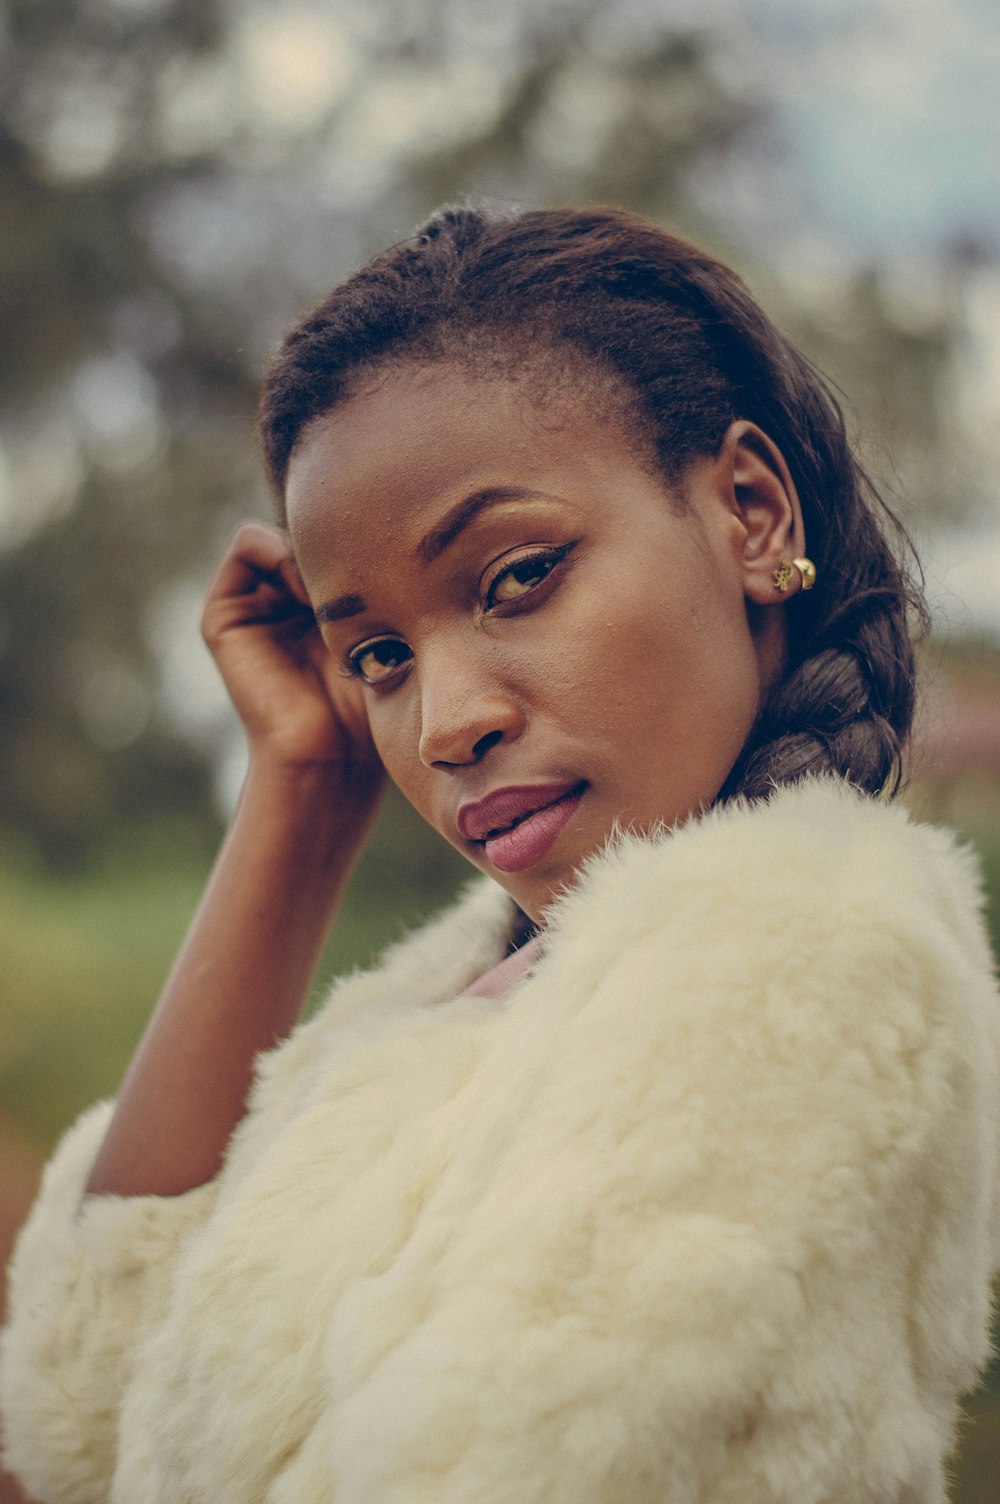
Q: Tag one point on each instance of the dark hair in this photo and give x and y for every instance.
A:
(680, 340)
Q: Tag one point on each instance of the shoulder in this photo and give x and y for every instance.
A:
(813, 973)
(791, 1010)
(797, 875)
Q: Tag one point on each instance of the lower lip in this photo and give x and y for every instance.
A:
(520, 848)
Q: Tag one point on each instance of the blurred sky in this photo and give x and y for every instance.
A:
(891, 112)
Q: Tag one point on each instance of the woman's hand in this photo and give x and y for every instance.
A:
(243, 972)
(298, 710)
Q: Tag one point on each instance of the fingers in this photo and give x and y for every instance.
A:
(294, 701)
(258, 579)
(257, 552)
(293, 579)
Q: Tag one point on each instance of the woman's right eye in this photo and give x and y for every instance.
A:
(378, 660)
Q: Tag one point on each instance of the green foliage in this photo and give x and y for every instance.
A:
(976, 1463)
(83, 955)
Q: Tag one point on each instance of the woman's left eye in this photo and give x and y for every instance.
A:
(523, 576)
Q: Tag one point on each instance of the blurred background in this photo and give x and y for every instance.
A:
(179, 179)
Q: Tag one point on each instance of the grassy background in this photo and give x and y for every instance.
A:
(82, 959)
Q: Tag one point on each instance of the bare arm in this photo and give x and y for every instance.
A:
(240, 980)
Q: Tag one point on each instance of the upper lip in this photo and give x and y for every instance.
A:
(478, 817)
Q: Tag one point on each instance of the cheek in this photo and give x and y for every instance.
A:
(687, 679)
(394, 740)
(396, 737)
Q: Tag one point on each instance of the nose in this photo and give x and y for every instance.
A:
(464, 711)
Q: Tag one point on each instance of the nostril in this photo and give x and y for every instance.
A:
(483, 745)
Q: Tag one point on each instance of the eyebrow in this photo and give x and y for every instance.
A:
(434, 543)
(339, 608)
(454, 522)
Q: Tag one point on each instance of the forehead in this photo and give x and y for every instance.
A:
(412, 440)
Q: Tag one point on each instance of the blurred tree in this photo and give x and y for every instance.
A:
(116, 405)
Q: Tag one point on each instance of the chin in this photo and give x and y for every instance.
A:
(536, 894)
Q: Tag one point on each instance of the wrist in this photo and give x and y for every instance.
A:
(315, 806)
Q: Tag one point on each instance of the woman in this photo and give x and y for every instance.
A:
(665, 1166)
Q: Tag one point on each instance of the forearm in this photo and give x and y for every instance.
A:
(237, 987)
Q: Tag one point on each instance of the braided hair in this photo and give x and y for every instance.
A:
(674, 337)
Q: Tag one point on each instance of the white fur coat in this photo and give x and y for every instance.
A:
(705, 1211)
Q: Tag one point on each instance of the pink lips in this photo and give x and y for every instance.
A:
(519, 826)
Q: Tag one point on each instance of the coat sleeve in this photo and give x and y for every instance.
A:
(729, 1222)
(93, 1276)
(90, 1276)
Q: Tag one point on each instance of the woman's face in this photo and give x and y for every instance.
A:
(551, 646)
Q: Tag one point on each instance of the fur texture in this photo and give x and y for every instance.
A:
(704, 1212)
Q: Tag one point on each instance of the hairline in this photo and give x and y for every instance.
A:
(528, 363)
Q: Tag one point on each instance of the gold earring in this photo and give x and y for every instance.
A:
(782, 576)
(807, 569)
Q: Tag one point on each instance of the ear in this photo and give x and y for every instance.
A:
(762, 495)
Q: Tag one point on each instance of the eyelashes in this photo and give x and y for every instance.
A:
(380, 659)
(513, 580)
(377, 659)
